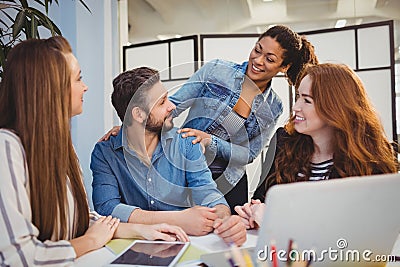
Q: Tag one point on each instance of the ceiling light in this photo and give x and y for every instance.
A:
(267, 0)
(340, 23)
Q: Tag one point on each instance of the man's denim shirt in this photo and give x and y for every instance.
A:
(177, 178)
(211, 93)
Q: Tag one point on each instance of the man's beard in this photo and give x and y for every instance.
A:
(154, 126)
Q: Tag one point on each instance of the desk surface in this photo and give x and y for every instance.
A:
(208, 243)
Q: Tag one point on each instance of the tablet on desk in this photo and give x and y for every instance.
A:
(151, 253)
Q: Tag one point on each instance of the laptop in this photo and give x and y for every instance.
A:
(340, 222)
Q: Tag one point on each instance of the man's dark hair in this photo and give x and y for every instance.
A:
(130, 90)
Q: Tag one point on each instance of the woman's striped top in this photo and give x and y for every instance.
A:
(19, 245)
(320, 171)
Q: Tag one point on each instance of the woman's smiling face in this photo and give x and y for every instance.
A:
(265, 61)
(78, 87)
(307, 121)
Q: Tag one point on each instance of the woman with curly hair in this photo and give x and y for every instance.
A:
(334, 132)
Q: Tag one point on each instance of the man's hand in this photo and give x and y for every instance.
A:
(197, 220)
(231, 229)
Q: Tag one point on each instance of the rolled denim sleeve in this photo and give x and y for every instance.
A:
(190, 90)
(123, 212)
(237, 154)
(106, 193)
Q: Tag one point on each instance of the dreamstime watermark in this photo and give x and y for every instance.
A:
(332, 254)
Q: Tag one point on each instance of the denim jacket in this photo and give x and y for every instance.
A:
(211, 93)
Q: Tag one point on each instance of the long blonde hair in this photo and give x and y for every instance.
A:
(360, 144)
(35, 102)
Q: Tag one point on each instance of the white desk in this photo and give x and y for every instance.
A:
(210, 243)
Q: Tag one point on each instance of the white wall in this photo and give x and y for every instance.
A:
(94, 39)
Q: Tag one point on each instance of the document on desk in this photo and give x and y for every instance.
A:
(199, 245)
(213, 243)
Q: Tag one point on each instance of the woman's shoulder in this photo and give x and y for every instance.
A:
(219, 61)
(12, 156)
(223, 64)
(281, 132)
(8, 135)
(282, 136)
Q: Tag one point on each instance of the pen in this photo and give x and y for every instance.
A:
(311, 258)
(289, 251)
(299, 263)
(237, 256)
(294, 254)
(309, 261)
(262, 264)
(273, 254)
(229, 259)
(247, 258)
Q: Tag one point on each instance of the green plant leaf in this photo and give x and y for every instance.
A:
(46, 4)
(46, 21)
(4, 6)
(19, 23)
(84, 4)
(41, 2)
(2, 57)
(34, 26)
(24, 3)
(56, 29)
(26, 29)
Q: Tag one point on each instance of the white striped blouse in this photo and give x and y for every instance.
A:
(19, 245)
(320, 171)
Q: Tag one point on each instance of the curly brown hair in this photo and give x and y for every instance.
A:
(298, 51)
(360, 145)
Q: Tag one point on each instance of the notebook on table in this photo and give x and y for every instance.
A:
(340, 222)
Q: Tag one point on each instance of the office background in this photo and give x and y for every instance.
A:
(97, 39)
